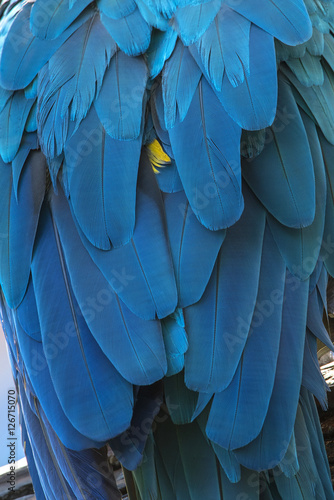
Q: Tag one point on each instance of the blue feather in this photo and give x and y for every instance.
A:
(91, 48)
(129, 446)
(225, 47)
(310, 414)
(50, 18)
(252, 104)
(131, 33)
(88, 472)
(192, 21)
(38, 490)
(53, 483)
(31, 123)
(135, 271)
(312, 376)
(124, 88)
(134, 346)
(319, 100)
(38, 378)
(180, 78)
(285, 163)
(29, 141)
(274, 438)
(181, 402)
(327, 253)
(13, 119)
(168, 178)
(101, 175)
(52, 125)
(97, 413)
(209, 164)
(300, 247)
(116, 8)
(218, 325)
(286, 20)
(161, 47)
(234, 420)
(176, 344)
(18, 223)
(307, 69)
(185, 235)
(20, 62)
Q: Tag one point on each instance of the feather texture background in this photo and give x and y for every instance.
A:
(166, 221)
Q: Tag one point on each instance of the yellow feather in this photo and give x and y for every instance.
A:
(157, 156)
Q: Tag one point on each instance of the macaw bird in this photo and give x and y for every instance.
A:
(167, 233)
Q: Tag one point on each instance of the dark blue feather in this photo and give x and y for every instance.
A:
(97, 413)
(18, 223)
(129, 446)
(124, 88)
(101, 176)
(209, 163)
(218, 325)
(38, 490)
(88, 472)
(53, 483)
(185, 236)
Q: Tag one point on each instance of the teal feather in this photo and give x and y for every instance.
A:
(95, 413)
(13, 119)
(289, 169)
(105, 169)
(286, 20)
(91, 49)
(131, 33)
(19, 219)
(193, 20)
(273, 441)
(180, 78)
(49, 18)
(134, 346)
(21, 63)
(124, 87)
(225, 310)
(184, 230)
(233, 421)
(301, 247)
(211, 160)
(116, 8)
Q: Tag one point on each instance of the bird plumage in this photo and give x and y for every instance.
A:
(166, 237)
